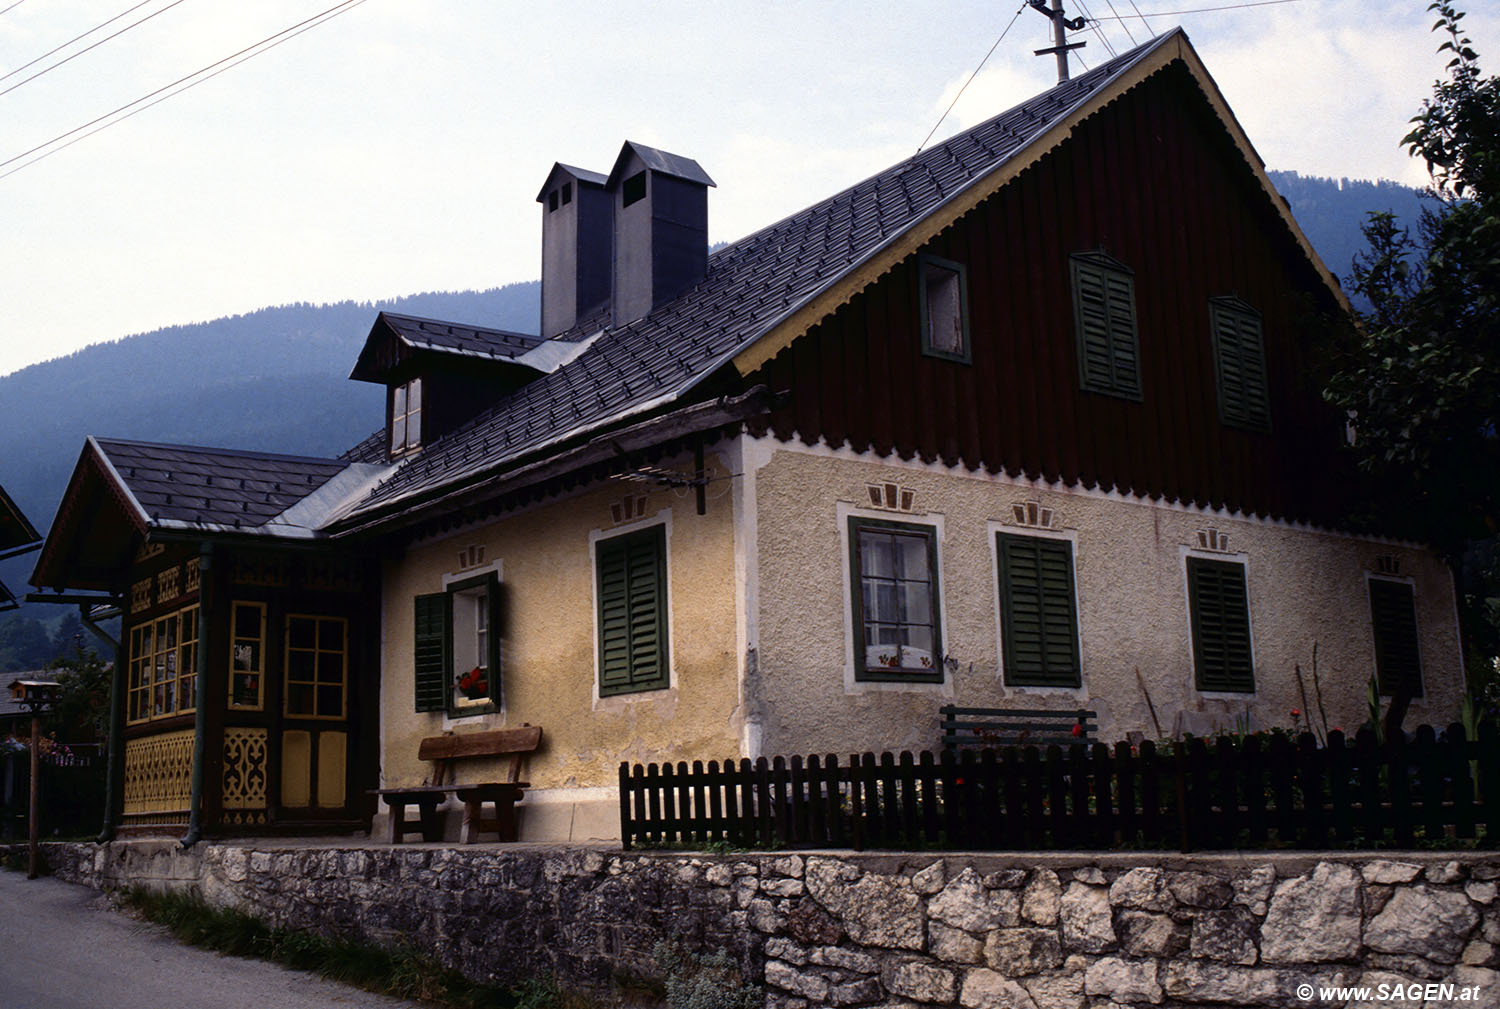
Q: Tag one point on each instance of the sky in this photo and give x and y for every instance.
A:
(397, 146)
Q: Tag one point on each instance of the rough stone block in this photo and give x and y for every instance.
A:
(1092, 875)
(1445, 872)
(1227, 935)
(764, 917)
(1386, 872)
(1016, 952)
(785, 949)
(985, 989)
(923, 981)
(1005, 879)
(930, 880)
(811, 925)
(791, 865)
(858, 992)
(788, 978)
(1434, 924)
(952, 944)
(1315, 917)
(1481, 893)
(845, 959)
(967, 904)
(1146, 933)
(1144, 889)
(1085, 917)
(1041, 898)
(1199, 889)
(782, 887)
(719, 875)
(1060, 989)
(1123, 980)
(1253, 889)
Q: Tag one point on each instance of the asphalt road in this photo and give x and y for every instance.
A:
(62, 947)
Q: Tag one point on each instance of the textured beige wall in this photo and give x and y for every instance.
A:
(1306, 587)
(546, 558)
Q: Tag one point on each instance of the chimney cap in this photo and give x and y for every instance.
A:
(660, 162)
(582, 176)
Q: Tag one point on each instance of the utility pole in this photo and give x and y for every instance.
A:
(1061, 25)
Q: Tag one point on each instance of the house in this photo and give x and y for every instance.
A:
(17, 536)
(1029, 419)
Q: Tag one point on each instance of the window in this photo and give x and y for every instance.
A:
(406, 416)
(1239, 364)
(316, 666)
(163, 666)
(1104, 320)
(1038, 611)
(893, 574)
(458, 652)
(567, 193)
(943, 303)
(1393, 616)
(551, 201)
(633, 189)
(631, 577)
(1219, 608)
(247, 650)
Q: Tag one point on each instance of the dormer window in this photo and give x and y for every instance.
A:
(406, 417)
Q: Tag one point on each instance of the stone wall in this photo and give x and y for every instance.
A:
(833, 929)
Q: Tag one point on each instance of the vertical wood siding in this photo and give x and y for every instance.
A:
(1154, 180)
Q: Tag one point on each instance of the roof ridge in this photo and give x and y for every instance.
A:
(214, 450)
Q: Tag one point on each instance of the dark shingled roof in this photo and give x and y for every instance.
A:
(751, 286)
(177, 484)
(457, 337)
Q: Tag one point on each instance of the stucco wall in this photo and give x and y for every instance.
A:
(1306, 588)
(545, 562)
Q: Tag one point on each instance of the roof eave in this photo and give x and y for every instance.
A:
(557, 461)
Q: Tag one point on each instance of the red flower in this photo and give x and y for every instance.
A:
(1077, 729)
(1296, 712)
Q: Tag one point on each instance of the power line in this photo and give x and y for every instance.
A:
(1142, 17)
(285, 35)
(1128, 33)
(85, 49)
(70, 41)
(1098, 32)
(12, 7)
(1204, 10)
(966, 83)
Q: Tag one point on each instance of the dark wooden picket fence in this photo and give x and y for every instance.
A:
(1262, 791)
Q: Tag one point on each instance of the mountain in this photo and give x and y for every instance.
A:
(1331, 212)
(276, 380)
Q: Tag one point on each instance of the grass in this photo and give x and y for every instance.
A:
(403, 973)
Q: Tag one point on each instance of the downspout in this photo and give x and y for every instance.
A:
(200, 719)
(114, 766)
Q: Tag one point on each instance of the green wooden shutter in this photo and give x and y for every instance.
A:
(431, 652)
(1393, 615)
(631, 573)
(1220, 613)
(1104, 318)
(1240, 357)
(1038, 616)
(495, 601)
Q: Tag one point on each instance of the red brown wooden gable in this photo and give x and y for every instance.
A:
(1154, 180)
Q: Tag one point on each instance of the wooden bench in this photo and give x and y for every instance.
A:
(443, 751)
(994, 727)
